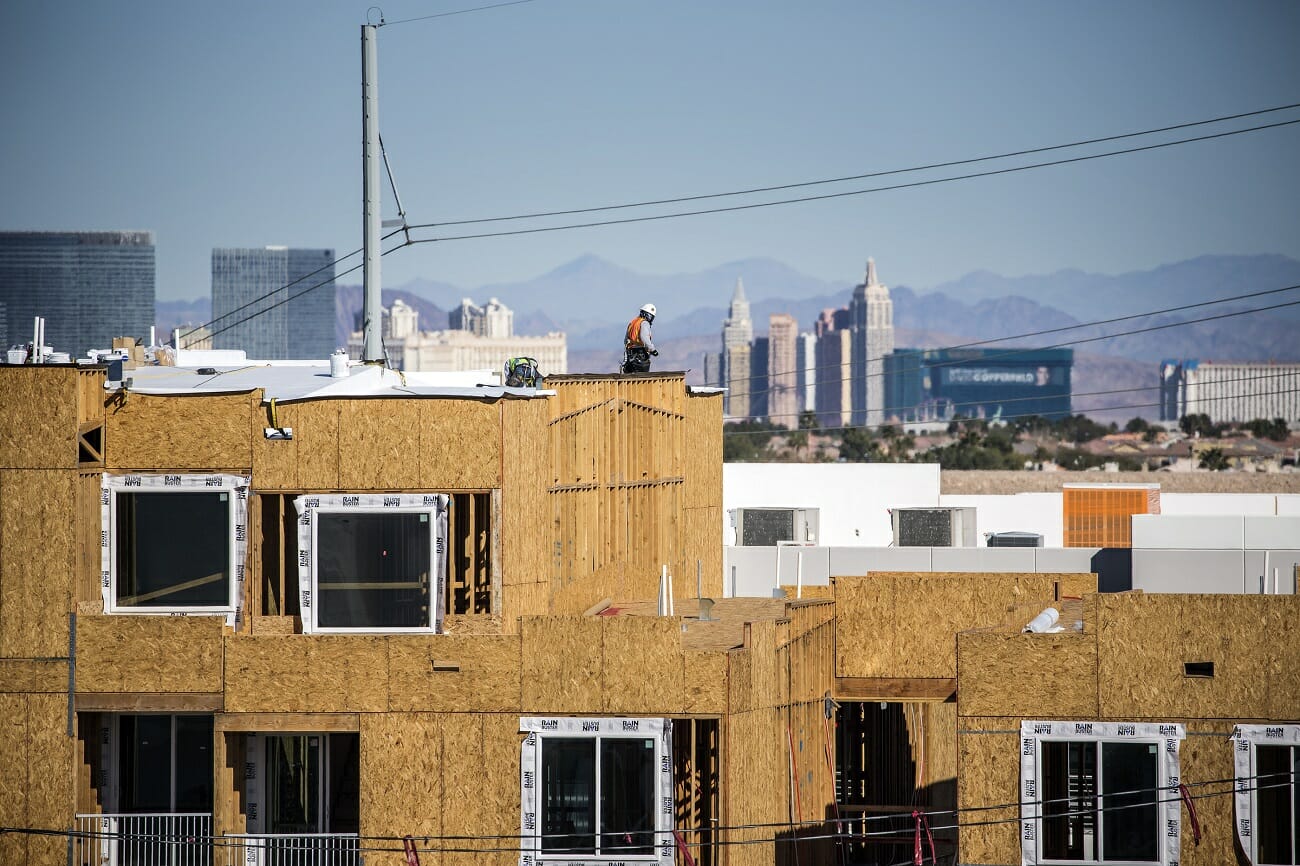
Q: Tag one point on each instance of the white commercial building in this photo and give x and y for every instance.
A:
(1229, 392)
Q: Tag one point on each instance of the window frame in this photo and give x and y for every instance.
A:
(433, 504)
(180, 484)
(538, 729)
(1167, 739)
(1245, 796)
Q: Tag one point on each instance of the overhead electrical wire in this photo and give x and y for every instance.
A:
(383, 23)
(864, 176)
(1076, 342)
(241, 842)
(1072, 395)
(843, 194)
(877, 426)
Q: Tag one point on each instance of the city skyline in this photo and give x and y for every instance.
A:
(191, 158)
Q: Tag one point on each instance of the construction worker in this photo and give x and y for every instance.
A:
(638, 344)
(522, 372)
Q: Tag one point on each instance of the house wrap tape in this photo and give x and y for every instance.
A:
(1166, 737)
(1245, 738)
(235, 485)
(530, 766)
(307, 507)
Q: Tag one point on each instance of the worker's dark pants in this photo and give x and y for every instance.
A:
(636, 361)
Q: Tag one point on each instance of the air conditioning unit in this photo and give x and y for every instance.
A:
(934, 527)
(1013, 539)
(766, 527)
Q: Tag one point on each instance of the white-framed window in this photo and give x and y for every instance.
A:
(372, 562)
(1266, 764)
(1099, 792)
(596, 791)
(173, 544)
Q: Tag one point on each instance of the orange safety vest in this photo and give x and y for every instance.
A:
(633, 337)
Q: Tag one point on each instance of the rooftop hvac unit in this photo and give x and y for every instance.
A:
(934, 527)
(1014, 539)
(766, 527)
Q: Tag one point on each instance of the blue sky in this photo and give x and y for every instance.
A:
(238, 124)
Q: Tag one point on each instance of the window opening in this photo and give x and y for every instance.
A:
(372, 562)
(1266, 761)
(696, 771)
(1096, 792)
(173, 543)
(597, 789)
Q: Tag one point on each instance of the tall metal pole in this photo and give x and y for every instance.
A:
(373, 340)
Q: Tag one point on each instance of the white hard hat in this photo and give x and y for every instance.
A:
(648, 309)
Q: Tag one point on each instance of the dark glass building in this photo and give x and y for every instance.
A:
(255, 308)
(89, 286)
(938, 384)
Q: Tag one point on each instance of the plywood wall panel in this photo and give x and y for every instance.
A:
(275, 461)
(1145, 640)
(461, 441)
(643, 665)
(401, 780)
(1027, 675)
(864, 636)
(168, 434)
(38, 560)
(379, 444)
(39, 405)
(487, 679)
(33, 675)
(50, 793)
(705, 681)
(316, 432)
(563, 664)
(149, 654)
(14, 746)
(86, 528)
(527, 527)
(497, 797)
(703, 457)
(306, 674)
(989, 775)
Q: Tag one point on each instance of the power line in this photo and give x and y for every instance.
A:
(383, 23)
(864, 176)
(878, 426)
(1029, 350)
(1072, 395)
(1096, 323)
(297, 295)
(834, 195)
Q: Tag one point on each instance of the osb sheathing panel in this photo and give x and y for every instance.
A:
(704, 451)
(1027, 674)
(275, 461)
(460, 443)
(643, 665)
(33, 675)
(940, 757)
(149, 654)
(475, 803)
(1144, 641)
(1207, 754)
(703, 541)
(563, 664)
(38, 559)
(816, 780)
(486, 680)
(401, 779)
(379, 444)
(49, 776)
(989, 775)
(14, 746)
(756, 785)
(905, 624)
(182, 433)
(527, 520)
(39, 405)
(705, 682)
(306, 674)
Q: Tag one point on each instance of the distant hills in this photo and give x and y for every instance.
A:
(591, 300)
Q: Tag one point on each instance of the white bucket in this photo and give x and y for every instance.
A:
(339, 365)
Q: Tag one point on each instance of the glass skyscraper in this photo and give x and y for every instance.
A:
(255, 308)
(89, 286)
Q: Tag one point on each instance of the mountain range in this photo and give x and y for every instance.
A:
(591, 300)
